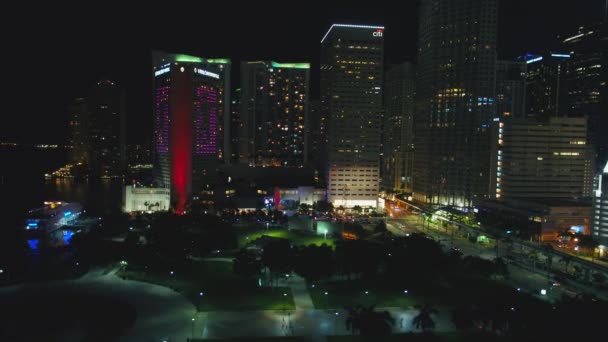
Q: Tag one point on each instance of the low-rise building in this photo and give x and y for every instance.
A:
(538, 219)
(146, 199)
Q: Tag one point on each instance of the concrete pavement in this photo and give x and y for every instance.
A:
(312, 323)
(161, 312)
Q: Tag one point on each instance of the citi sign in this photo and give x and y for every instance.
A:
(378, 33)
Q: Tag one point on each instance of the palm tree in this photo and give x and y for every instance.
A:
(424, 320)
(357, 209)
(368, 321)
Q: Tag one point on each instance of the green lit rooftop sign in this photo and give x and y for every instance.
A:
(188, 59)
(218, 61)
(291, 65)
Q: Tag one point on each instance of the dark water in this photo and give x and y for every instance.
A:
(23, 186)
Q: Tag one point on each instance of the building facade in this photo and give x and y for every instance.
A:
(236, 126)
(510, 88)
(546, 91)
(600, 208)
(106, 106)
(398, 128)
(78, 126)
(587, 82)
(543, 159)
(455, 106)
(187, 102)
(351, 99)
(274, 113)
(146, 199)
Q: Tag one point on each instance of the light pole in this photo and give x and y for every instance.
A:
(192, 327)
(325, 234)
(336, 323)
(267, 223)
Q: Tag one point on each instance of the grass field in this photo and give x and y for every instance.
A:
(221, 289)
(245, 236)
(344, 294)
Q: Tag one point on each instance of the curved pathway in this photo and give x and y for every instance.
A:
(162, 314)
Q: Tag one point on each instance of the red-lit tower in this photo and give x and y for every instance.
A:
(187, 102)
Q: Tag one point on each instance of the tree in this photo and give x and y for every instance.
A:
(323, 206)
(424, 320)
(313, 262)
(599, 278)
(246, 263)
(304, 207)
(587, 243)
(369, 322)
(357, 209)
(463, 317)
(500, 268)
(380, 227)
(277, 256)
(566, 259)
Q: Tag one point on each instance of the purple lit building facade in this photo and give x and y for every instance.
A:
(188, 98)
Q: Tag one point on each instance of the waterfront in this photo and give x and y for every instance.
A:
(23, 186)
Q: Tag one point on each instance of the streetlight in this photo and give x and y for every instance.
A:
(325, 234)
(192, 327)
(267, 225)
(336, 323)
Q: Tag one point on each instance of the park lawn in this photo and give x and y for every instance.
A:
(349, 293)
(245, 236)
(222, 289)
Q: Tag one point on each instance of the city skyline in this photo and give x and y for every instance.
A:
(120, 52)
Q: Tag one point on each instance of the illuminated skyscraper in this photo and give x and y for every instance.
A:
(398, 132)
(587, 82)
(351, 99)
(455, 102)
(546, 91)
(106, 106)
(274, 113)
(78, 124)
(187, 101)
(236, 126)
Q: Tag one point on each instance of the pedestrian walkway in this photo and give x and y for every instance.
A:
(301, 297)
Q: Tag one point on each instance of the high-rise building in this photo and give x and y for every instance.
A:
(138, 154)
(315, 135)
(78, 123)
(187, 102)
(510, 88)
(599, 222)
(543, 159)
(455, 106)
(587, 81)
(398, 132)
(545, 87)
(274, 113)
(351, 98)
(106, 106)
(236, 126)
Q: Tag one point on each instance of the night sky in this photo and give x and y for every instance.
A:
(53, 58)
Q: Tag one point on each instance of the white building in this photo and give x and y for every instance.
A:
(600, 208)
(146, 199)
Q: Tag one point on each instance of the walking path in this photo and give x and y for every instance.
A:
(161, 312)
(297, 284)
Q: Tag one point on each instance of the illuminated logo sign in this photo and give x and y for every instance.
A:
(206, 73)
(161, 71)
(378, 33)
